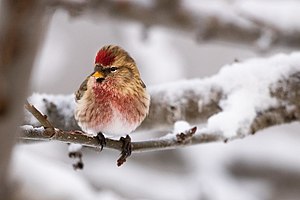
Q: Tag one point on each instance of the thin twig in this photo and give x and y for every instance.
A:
(78, 137)
(287, 110)
(40, 117)
(268, 118)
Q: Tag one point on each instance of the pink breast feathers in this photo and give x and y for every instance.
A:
(122, 116)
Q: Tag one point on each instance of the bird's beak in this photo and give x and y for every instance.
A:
(98, 74)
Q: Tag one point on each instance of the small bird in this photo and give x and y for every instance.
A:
(113, 99)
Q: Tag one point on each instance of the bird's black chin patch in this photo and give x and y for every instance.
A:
(100, 80)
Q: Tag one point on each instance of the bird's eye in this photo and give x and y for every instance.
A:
(113, 69)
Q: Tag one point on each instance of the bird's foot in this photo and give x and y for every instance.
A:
(126, 150)
(101, 139)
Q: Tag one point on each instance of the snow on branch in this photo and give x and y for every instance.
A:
(240, 100)
(239, 22)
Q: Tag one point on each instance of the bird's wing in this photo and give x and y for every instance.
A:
(80, 92)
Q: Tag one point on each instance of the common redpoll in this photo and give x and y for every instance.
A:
(112, 100)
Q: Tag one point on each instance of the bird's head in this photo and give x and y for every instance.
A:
(113, 65)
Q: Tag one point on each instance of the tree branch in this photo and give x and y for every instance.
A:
(228, 98)
(197, 100)
(288, 110)
(225, 21)
(40, 117)
(79, 137)
(171, 141)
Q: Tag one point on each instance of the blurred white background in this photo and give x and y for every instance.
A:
(263, 166)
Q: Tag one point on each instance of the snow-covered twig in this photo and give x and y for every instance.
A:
(242, 99)
(235, 22)
(170, 141)
(235, 101)
(74, 149)
(39, 116)
(188, 137)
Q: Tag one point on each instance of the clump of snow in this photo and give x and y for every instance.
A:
(27, 127)
(286, 12)
(74, 147)
(245, 89)
(30, 127)
(173, 92)
(65, 104)
(246, 86)
(181, 126)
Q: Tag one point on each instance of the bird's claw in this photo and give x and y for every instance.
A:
(101, 139)
(126, 150)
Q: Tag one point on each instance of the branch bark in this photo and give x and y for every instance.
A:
(288, 91)
(168, 105)
(287, 110)
(78, 137)
(39, 116)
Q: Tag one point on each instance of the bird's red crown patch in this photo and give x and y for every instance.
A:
(104, 58)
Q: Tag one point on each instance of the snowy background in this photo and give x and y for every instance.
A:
(264, 166)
